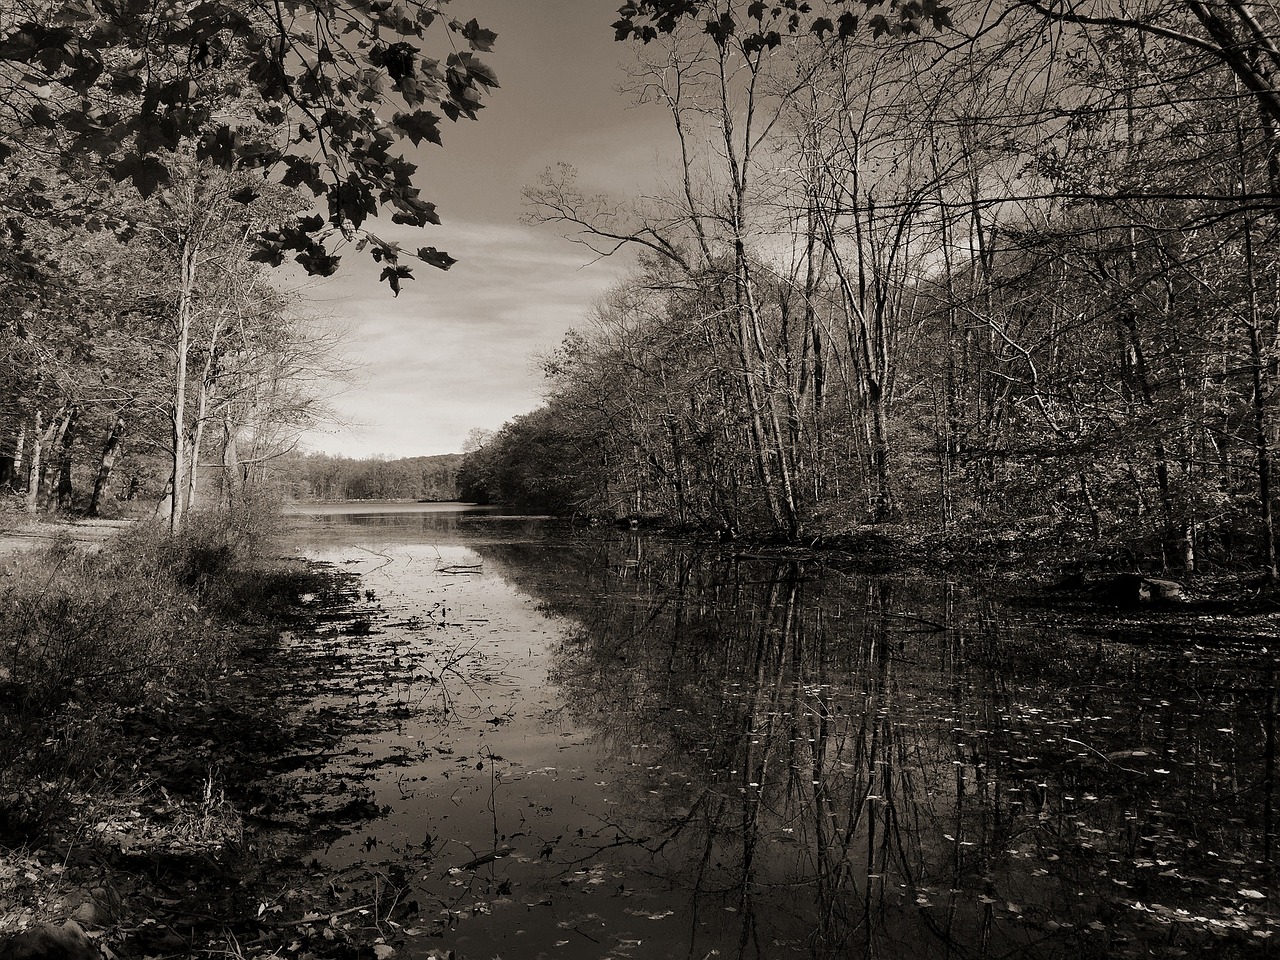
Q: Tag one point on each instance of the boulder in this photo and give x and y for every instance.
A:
(51, 942)
(1137, 590)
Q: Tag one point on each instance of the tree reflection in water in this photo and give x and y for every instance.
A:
(842, 765)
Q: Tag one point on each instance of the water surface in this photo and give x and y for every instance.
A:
(614, 745)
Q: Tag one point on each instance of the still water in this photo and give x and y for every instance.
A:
(613, 745)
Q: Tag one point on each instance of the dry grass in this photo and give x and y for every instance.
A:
(90, 639)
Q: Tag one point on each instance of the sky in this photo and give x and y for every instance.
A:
(454, 352)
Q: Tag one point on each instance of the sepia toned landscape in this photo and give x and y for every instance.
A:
(693, 478)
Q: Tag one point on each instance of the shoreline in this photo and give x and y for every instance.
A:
(202, 803)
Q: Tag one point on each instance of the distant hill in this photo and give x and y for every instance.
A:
(319, 476)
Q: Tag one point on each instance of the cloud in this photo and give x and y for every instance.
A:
(453, 351)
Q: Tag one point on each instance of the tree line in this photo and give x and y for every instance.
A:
(318, 477)
(1006, 267)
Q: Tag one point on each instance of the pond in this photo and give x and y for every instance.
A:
(609, 744)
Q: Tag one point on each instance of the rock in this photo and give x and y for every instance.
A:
(1134, 590)
(50, 942)
(1074, 582)
(107, 905)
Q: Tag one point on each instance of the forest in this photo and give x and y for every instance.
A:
(171, 174)
(990, 269)
(969, 271)
(318, 476)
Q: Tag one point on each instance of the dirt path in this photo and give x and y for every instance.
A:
(21, 533)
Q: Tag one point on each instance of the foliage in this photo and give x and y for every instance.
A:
(154, 158)
(98, 345)
(535, 462)
(762, 25)
(1020, 285)
(320, 96)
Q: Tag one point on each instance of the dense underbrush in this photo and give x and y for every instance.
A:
(151, 692)
(91, 639)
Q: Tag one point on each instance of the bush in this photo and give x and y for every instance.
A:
(88, 638)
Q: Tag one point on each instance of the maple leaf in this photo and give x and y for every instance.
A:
(418, 126)
(164, 76)
(437, 258)
(720, 30)
(393, 275)
(303, 172)
(479, 38)
(218, 146)
(269, 250)
(146, 172)
(351, 201)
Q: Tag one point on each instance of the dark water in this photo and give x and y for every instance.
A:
(624, 747)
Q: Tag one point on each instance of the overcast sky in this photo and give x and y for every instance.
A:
(452, 352)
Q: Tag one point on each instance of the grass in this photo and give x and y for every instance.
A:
(144, 704)
(128, 720)
(92, 640)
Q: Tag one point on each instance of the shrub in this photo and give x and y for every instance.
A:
(87, 638)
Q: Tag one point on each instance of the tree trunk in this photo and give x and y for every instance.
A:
(43, 442)
(208, 375)
(18, 450)
(195, 440)
(1172, 526)
(110, 451)
(230, 474)
(177, 422)
(1266, 516)
(33, 476)
(64, 493)
(886, 506)
(1095, 520)
(1261, 446)
(788, 517)
(165, 507)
